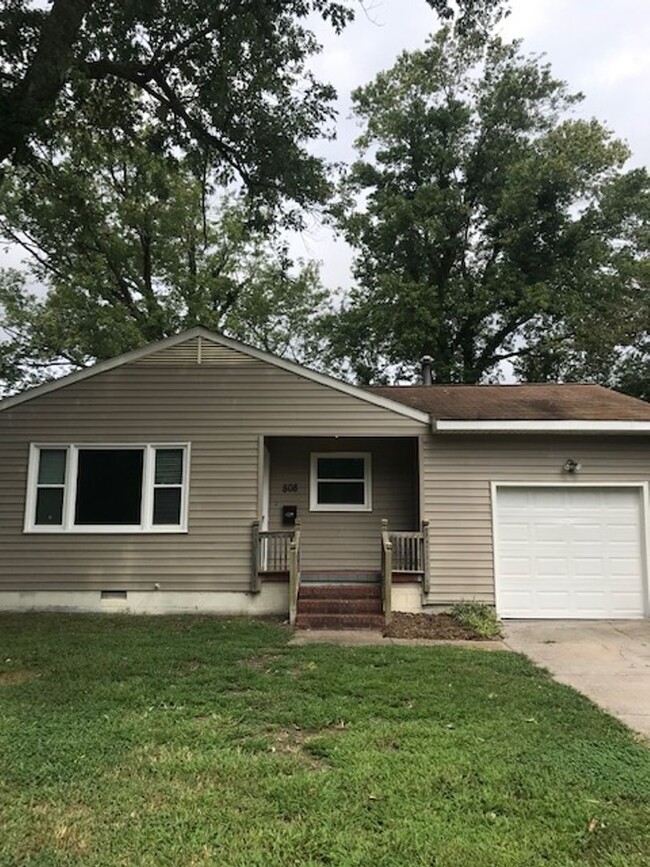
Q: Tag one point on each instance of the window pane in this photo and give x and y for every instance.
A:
(167, 506)
(169, 466)
(341, 468)
(109, 486)
(341, 493)
(51, 467)
(49, 506)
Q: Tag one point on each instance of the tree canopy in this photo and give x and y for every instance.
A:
(226, 80)
(490, 225)
(133, 246)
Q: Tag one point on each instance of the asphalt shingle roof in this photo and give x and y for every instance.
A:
(536, 402)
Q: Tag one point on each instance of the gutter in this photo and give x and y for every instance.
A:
(517, 426)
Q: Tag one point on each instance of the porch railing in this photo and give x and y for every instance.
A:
(275, 552)
(410, 552)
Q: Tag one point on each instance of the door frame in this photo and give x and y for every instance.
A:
(643, 489)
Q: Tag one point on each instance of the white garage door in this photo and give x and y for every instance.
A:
(569, 552)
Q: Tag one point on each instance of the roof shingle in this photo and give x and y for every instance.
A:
(536, 402)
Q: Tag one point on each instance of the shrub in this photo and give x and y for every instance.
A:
(478, 616)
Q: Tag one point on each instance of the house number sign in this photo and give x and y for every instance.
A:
(290, 488)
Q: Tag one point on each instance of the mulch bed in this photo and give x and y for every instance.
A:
(436, 626)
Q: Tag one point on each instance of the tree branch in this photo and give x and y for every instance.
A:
(32, 98)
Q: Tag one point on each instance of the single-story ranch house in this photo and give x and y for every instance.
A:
(199, 474)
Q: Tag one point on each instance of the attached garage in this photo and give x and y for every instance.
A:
(570, 551)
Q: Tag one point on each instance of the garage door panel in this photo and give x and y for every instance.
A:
(547, 532)
(586, 533)
(623, 566)
(549, 567)
(569, 552)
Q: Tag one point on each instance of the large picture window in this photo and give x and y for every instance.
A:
(107, 489)
(340, 482)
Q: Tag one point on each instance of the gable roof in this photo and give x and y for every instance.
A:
(329, 381)
(536, 402)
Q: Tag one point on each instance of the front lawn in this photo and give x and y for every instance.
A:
(190, 741)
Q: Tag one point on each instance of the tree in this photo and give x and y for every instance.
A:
(226, 78)
(132, 247)
(488, 224)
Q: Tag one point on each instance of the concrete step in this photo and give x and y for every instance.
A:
(361, 605)
(339, 591)
(339, 621)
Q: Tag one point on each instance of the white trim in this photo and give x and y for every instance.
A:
(644, 496)
(519, 426)
(220, 340)
(68, 526)
(266, 486)
(315, 506)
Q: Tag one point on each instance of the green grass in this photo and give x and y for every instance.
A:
(478, 616)
(189, 741)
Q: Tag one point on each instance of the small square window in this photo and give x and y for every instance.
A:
(341, 482)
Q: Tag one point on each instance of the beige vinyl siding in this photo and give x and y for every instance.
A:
(221, 409)
(345, 540)
(457, 472)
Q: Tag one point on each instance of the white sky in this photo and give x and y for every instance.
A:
(601, 47)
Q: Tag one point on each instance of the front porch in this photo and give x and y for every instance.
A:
(340, 522)
(325, 600)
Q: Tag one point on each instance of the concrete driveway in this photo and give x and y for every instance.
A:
(606, 660)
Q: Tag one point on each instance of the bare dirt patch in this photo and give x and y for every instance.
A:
(294, 741)
(441, 627)
(11, 678)
(189, 666)
(259, 663)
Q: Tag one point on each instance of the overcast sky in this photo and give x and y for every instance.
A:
(601, 47)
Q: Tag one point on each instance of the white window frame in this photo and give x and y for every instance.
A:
(315, 506)
(72, 450)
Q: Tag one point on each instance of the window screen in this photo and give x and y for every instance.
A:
(109, 487)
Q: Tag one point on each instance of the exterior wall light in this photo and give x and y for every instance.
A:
(571, 466)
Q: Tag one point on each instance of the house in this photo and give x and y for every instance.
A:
(199, 474)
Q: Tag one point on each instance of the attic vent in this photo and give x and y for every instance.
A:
(112, 594)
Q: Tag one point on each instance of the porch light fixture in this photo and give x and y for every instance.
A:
(571, 466)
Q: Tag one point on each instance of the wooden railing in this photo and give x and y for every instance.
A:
(276, 552)
(386, 572)
(409, 552)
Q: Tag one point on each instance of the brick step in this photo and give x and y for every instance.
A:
(340, 577)
(340, 591)
(340, 606)
(339, 621)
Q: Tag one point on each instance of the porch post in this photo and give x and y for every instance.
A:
(386, 572)
(426, 576)
(256, 584)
